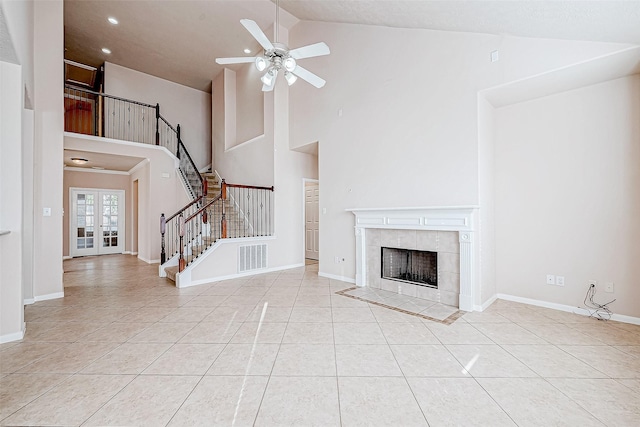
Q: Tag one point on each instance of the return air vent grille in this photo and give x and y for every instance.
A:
(253, 257)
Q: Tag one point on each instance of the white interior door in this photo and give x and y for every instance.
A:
(312, 221)
(96, 222)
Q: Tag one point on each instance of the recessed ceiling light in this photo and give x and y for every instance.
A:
(112, 20)
(105, 50)
(79, 160)
(247, 51)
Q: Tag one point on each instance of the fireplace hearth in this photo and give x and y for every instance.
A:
(410, 266)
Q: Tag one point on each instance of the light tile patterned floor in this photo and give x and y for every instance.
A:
(125, 347)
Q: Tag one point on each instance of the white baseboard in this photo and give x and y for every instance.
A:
(486, 304)
(567, 308)
(149, 261)
(134, 253)
(28, 301)
(336, 277)
(66, 257)
(46, 297)
(235, 276)
(12, 337)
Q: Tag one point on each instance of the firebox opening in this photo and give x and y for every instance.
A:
(408, 265)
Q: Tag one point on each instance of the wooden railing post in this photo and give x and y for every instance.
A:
(157, 124)
(163, 228)
(181, 263)
(178, 144)
(223, 221)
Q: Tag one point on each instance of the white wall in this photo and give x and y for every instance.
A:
(486, 193)
(567, 201)
(19, 17)
(249, 162)
(249, 104)
(188, 107)
(11, 309)
(408, 132)
(28, 237)
(48, 147)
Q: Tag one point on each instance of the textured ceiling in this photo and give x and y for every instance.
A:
(101, 160)
(608, 21)
(178, 40)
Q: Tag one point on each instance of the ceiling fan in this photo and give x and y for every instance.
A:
(277, 57)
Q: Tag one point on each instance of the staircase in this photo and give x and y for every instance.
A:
(226, 211)
(236, 222)
(213, 190)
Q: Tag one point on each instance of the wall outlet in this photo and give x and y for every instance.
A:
(608, 287)
(551, 279)
(337, 260)
(560, 280)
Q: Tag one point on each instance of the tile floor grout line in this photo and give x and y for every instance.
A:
(104, 294)
(335, 357)
(574, 401)
(264, 392)
(404, 376)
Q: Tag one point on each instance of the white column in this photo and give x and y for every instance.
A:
(11, 305)
(48, 154)
(466, 270)
(361, 253)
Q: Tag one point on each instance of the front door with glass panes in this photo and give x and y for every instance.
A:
(97, 222)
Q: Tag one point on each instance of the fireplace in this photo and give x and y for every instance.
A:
(410, 266)
(447, 230)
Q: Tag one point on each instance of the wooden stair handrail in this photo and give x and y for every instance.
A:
(249, 186)
(196, 200)
(199, 211)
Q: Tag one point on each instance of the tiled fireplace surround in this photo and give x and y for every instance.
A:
(449, 231)
(445, 243)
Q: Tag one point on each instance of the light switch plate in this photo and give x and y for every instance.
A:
(46, 211)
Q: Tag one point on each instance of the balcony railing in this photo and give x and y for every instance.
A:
(99, 114)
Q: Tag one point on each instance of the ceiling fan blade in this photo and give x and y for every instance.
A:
(267, 88)
(238, 60)
(257, 33)
(308, 76)
(310, 51)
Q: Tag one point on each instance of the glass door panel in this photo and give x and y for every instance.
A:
(91, 209)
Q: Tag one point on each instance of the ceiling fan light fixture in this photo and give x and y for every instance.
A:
(261, 63)
(290, 77)
(269, 77)
(289, 64)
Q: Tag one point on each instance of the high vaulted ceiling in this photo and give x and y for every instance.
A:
(178, 40)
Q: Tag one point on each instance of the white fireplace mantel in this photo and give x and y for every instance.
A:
(462, 219)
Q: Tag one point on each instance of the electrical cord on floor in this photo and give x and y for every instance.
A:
(596, 310)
